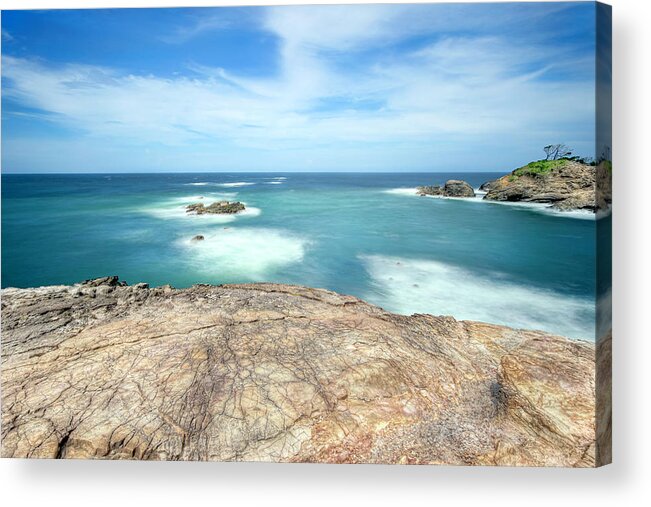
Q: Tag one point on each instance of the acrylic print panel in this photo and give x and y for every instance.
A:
(336, 234)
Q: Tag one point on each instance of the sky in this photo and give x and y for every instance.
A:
(439, 87)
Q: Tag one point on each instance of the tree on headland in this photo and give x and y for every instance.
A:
(557, 151)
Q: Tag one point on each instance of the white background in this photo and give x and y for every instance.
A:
(626, 482)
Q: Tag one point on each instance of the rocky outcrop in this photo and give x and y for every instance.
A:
(452, 188)
(198, 237)
(435, 190)
(219, 208)
(282, 373)
(564, 184)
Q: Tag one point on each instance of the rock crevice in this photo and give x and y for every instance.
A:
(282, 373)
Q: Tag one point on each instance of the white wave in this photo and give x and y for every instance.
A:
(479, 197)
(175, 209)
(413, 192)
(235, 184)
(243, 253)
(274, 182)
(175, 212)
(545, 208)
(205, 198)
(226, 185)
(423, 286)
(402, 191)
(249, 211)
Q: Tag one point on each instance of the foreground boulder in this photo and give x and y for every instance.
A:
(218, 208)
(452, 188)
(564, 184)
(282, 373)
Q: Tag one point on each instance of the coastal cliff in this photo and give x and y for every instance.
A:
(564, 184)
(282, 373)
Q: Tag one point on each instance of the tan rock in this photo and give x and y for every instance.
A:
(283, 373)
(568, 186)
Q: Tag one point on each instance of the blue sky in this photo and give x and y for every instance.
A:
(441, 87)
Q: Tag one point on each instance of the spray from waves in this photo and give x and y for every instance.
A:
(421, 286)
(243, 253)
(402, 191)
(233, 184)
(479, 198)
(175, 209)
(545, 208)
(206, 197)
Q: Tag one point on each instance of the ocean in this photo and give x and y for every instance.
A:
(363, 234)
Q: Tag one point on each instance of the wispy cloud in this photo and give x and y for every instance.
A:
(480, 88)
(196, 27)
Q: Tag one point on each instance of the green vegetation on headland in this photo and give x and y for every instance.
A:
(563, 181)
(558, 155)
(538, 168)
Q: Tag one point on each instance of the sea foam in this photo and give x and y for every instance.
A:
(175, 209)
(422, 286)
(243, 253)
(402, 191)
(479, 198)
(233, 184)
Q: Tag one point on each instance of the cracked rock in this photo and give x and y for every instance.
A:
(268, 372)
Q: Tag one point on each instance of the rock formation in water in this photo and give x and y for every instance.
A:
(452, 188)
(564, 184)
(282, 373)
(218, 208)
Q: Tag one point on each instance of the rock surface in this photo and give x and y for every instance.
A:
(219, 208)
(282, 373)
(198, 237)
(452, 188)
(569, 186)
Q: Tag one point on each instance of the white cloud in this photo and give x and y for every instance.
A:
(479, 87)
(198, 27)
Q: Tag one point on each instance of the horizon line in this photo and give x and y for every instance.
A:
(5, 173)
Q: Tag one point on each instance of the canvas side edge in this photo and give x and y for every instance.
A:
(604, 174)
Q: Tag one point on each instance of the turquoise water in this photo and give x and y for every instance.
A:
(362, 234)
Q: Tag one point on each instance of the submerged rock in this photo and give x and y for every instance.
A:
(452, 188)
(564, 184)
(273, 372)
(219, 208)
(198, 237)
